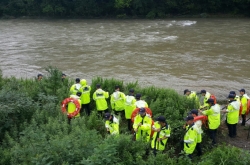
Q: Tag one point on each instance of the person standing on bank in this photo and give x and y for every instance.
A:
(236, 97)
(198, 127)
(75, 87)
(100, 97)
(39, 77)
(232, 115)
(85, 97)
(140, 103)
(142, 126)
(206, 96)
(161, 134)
(63, 76)
(72, 107)
(129, 107)
(243, 99)
(111, 124)
(190, 137)
(117, 101)
(192, 95)
(213, 114)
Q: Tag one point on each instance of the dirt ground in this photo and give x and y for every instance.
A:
(240, 140)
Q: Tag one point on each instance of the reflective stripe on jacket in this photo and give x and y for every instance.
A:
(164, 133)
(100, 97)
(143, 131)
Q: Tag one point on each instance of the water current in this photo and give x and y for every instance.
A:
(211, 54)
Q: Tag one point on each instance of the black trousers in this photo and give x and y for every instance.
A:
(87, 109)
(212, 133)
(129, 124)
(232, 130)
(198, 149)
(243, 120)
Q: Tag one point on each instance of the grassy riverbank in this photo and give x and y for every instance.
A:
(34, 131)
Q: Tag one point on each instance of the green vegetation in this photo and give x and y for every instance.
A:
(34, 130)
(121, 8)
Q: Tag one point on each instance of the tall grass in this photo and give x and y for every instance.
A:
(34, 131)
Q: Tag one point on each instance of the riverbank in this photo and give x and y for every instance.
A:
(35, 131)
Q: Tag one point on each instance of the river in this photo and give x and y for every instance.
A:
(211, 54)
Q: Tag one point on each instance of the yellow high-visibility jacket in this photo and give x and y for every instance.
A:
(100, 97)
(143, 131)
(164, 133)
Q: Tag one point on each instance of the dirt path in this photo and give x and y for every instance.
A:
(241, 140)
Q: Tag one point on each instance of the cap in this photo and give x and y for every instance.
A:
(231, 96)
(210, 101)
(189, 118)
(194, 111)
(132, 90)
(142, 110)
(242, 90)
(63, 74)
(98, 85)
(161, 119)
(186, 90)
(232, 92)
(203, 91)
(39, 75)
(138, 95)
(77, 80)
(107, 115)
(79, 93)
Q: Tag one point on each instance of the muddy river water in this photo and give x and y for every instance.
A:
(211, 54)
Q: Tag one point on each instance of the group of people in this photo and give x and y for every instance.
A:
(237, 106)
(120, 103)
(157, 132)
(40, 77)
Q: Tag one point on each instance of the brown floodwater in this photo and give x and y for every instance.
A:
(211, 54)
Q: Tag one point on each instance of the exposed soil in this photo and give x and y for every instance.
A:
(240, 140)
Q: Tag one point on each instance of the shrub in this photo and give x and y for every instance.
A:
(225, 154)
(34, 131)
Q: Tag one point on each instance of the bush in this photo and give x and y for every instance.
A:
(34, 131)
(225, 154)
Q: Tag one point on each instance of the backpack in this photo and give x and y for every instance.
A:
(248, 107)
(213, 97)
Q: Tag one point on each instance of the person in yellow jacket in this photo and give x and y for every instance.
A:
(232, 115)
(213, 114)
(236, 97)
(192, 95)
(142, 126)
(111, 124)
(206, 96)
(198, 127)
(85, 97)
(161, 134)
(100, 97)
(190, 137)
(243, 99)
(72, 107)
(140, 103)
(129, 107)
(117, 101)
(75, 87)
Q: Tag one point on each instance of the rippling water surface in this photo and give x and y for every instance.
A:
(211, 54)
